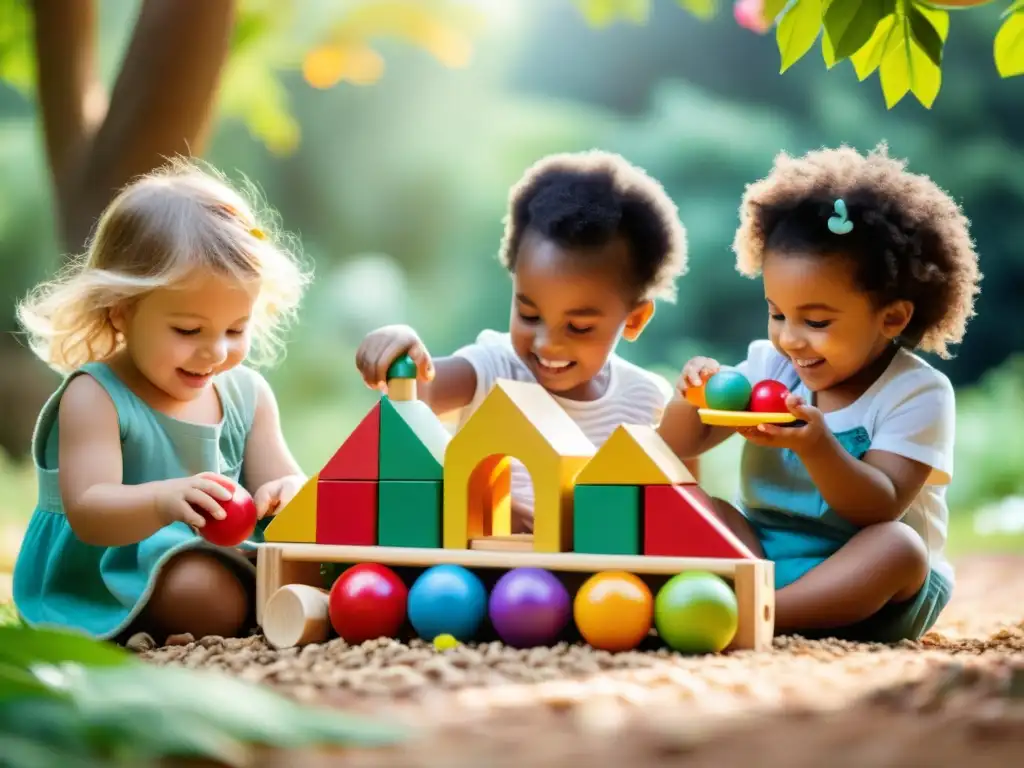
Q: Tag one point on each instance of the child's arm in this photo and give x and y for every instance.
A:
(445, 384)
(684, 432)
(100, 509)
(916, 424)
(268, 465)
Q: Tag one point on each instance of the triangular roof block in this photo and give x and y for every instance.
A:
(412, 441)
(635, 455)
(357, 458)
(295, 523)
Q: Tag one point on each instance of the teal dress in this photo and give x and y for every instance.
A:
(60, 581)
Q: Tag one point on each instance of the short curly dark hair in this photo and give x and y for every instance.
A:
(584, 199)
(910, 240)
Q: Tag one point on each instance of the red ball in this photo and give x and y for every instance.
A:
(769, 396)
(367, 601)
(240, 521)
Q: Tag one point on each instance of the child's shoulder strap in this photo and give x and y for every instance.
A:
(44, 434)
(240, 389)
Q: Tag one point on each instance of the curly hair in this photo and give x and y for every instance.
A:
(583, 200)
(910, 240)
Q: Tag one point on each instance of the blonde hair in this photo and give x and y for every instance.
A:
(160, 229)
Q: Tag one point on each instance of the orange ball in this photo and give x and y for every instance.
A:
(696, 396)
(614, 611)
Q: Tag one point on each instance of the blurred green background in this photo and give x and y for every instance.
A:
(396, 181)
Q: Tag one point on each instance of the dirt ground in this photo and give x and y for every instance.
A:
(957, 695)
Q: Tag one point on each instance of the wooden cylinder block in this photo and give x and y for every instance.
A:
(297, 614)
(402, 389)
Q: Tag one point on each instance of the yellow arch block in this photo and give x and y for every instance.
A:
(519, 420)
(635, 455)
(295, 523)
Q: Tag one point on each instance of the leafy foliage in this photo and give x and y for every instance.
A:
(67, 698)
(329, 43)
(901, 40)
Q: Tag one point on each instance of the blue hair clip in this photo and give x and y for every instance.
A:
(840, 224)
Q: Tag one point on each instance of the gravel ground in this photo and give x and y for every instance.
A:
(956, 695)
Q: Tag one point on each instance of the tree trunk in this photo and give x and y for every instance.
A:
(161, 105)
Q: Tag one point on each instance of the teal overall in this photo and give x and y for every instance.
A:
(798, 531)
(59, 581)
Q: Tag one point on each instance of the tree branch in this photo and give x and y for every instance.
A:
(70, 93)
(161, 103)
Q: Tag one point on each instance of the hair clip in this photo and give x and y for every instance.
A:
(840, 224)
(258, 233)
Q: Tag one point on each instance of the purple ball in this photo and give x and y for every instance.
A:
(529, 607)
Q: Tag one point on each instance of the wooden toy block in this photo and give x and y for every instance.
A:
(514, 542)
(409, 513)
(752, 580)
(358, 456)
(521, 420)
(296, 520)
(346, 512)
(412, 441)
(297, 614)
(490, 487)
(679, 521)
(635, 455)
(608, 519)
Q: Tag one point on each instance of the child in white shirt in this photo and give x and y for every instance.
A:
(590, 242)
(861, 263)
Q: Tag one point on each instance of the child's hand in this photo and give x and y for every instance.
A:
(696, 371)
(174, 499)
(271, 496)
(382, 347)
(798, 439)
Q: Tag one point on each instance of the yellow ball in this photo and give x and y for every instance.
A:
(444, 642)
(614, 611)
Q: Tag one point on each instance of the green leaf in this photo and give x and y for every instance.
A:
(17, 684)
(1014, 7)
(1008, 48)
(702, 9)
(849, 24)
(906, 68)
(797, 31)
(868, 58)
(17, 751)
(24, 647)
(925, 35)
(771, 9)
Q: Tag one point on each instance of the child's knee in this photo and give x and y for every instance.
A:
(198, 593)
(907, 555)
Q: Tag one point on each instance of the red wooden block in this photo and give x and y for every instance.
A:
(358, 457)
(346, 512)
(679, 522)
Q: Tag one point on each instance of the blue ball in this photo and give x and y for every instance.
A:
(447, 599)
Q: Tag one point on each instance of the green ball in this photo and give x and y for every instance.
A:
(696, 612)
(728, 391)
(403, 368)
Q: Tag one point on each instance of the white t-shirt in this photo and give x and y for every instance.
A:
(910, 410)
(634, 396)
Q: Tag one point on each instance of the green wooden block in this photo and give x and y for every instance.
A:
(608, 519)
(412, 441)
(409, 513)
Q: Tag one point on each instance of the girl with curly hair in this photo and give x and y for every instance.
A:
(863, 264)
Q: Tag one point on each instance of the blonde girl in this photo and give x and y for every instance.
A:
(179, 286)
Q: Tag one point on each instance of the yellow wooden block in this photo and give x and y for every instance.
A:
(519, 420)
(296, 521)
(635, 455)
